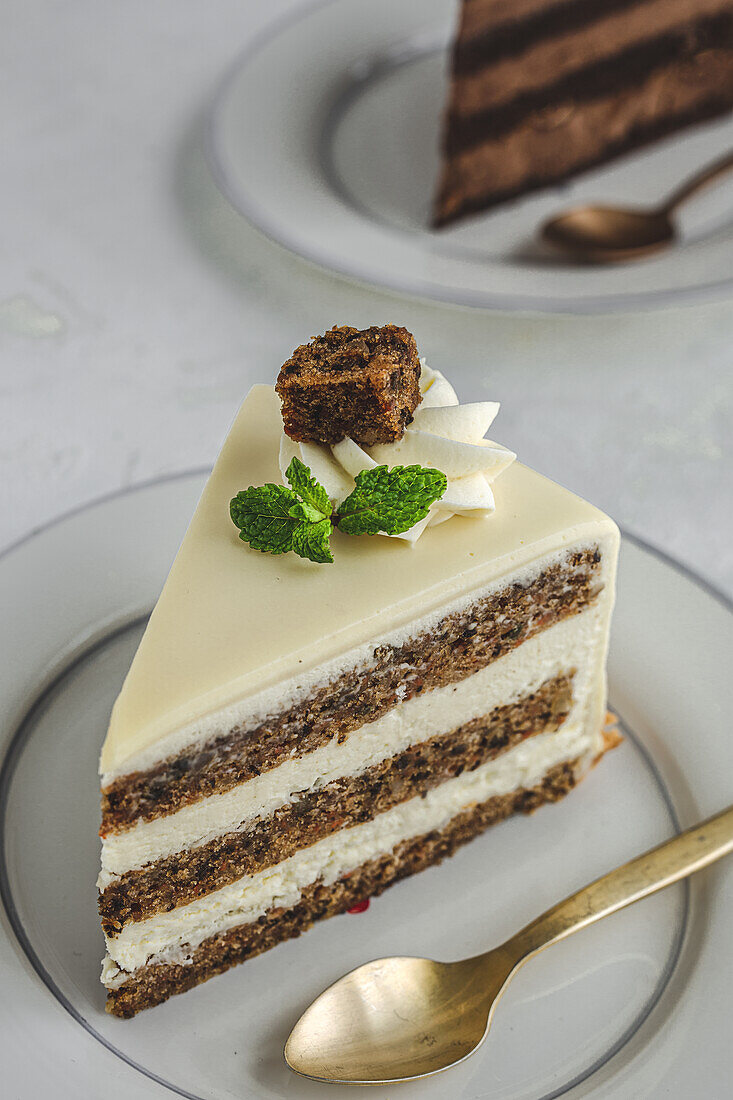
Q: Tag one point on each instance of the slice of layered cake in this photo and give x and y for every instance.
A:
(543, 89)
(296, 735)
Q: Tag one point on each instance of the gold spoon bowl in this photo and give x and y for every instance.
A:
(607, 234)
(400, 1018)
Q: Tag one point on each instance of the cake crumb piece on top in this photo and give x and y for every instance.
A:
(360, 383)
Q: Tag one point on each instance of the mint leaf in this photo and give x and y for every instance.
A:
(308, 489)
(305, 512)
(392, 501)
(310, 540)
(262, 514)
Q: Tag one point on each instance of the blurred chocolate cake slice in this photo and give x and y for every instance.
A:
(543, 89)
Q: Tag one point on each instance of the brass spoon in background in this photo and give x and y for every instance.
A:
(607, 234)
(400, 1018)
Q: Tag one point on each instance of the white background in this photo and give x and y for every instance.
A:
(136, 307)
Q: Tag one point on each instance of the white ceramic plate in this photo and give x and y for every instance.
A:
(639, 1005)
(325, 135)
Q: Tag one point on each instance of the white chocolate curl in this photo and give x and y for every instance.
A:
(443, 435)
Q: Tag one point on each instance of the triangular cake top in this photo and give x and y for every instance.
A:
(231, 622)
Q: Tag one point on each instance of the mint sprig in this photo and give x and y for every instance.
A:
(276, 519)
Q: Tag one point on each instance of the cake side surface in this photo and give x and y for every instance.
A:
(322, 807)
(529, 754)
(173, 936)
(521, 694)
(156, 982)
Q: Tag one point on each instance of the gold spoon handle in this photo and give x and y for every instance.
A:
(652, 871)
(698, 181)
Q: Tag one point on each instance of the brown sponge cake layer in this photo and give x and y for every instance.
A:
(157, 982)
(461, 644)
(185, 876)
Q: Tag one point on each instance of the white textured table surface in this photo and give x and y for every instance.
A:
(136, 307)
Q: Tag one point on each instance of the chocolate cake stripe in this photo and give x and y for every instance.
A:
(461, 644)
(603, 78)
(639, 136)
(180, 879)
(516, 36)
(155, 983)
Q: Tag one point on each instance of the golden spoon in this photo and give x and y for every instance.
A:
(399, 1018)
(607, 234)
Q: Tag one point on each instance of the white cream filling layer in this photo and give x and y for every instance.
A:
(572, 643)
(172, 936)
(255, 709)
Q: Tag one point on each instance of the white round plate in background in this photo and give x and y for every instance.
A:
(638, 1005)
(325, 135)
